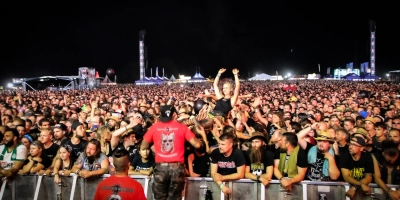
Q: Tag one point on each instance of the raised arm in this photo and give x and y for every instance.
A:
(216, 81)
(237, 87)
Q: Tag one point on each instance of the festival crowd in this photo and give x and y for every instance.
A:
(228, 129)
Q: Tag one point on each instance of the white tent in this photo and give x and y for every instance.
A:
(260, 77)
(172, 78)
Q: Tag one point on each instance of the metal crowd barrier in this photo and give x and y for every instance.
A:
(32, 187)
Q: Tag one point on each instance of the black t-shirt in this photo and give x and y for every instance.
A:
(138, 164)
(227, 165)
(46, 162)
(359, 168)
(343, 151)
(266, 161)
(132, 150)
(51, 152)
(275, 151)
(201, 165)
(212, 142)
(314, 171)
(77, 149)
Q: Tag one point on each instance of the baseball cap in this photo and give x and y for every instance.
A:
(63, 127)
(75, 125)
(358, 140)
(167, 112)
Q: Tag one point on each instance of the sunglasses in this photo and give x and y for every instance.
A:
(354, 144)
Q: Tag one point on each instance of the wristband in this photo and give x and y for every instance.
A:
(77, 171)
(218, 74)
(281, 178)
(221, 185)
(357, 187)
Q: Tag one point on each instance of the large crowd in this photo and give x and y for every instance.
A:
(316, 130)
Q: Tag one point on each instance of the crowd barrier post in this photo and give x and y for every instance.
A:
(262, 191)
(203, 189)
(346, 188)
(75, 178)
(304, 185)
(146, 186)
(39, 182)
(222, 197)
(3, 187)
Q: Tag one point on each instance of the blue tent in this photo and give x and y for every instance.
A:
(352, 76)
(372, 77)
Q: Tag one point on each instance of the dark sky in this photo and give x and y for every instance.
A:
(53, 38)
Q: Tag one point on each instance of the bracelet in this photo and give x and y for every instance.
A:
(221, 185)
(218, 74)
(281, 178)
(77, 171)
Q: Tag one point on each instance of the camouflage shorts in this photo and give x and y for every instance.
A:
(169, 181)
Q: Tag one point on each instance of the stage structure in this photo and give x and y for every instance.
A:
(23, 81)
(372, 26)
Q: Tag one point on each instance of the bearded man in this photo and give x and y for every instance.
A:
(321, 159)
(259, 161)
(92, 162)
(13, 154)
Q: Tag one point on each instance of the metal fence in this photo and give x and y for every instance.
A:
(32, 187)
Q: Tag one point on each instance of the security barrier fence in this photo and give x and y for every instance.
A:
(32, 187)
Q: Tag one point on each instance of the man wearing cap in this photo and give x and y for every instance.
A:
(168, 137)
(321, 159)
(259, 161)
(112, 123)
(77, 141)
(357, 167)
(59, 131)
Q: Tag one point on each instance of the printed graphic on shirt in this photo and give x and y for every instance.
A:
(315, 170)
(117, 189)
(229, 164)
(257, 169)
(92, 167)
(167, 142)
(357, 173)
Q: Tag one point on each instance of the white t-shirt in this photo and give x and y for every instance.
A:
(7, 159)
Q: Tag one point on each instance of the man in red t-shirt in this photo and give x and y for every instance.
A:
(120, 185)
(169, 137)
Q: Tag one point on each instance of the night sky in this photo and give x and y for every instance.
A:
(52, 38)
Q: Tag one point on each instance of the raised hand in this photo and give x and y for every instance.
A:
(235, 71)
(222, 70)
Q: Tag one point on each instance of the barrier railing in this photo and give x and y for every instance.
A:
(32, 187)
